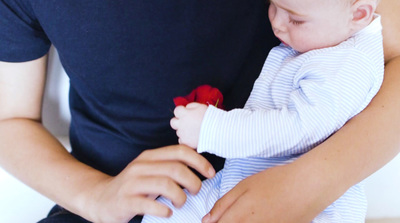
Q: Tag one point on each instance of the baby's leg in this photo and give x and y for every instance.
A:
(196, 206)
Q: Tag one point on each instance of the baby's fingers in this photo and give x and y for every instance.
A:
(174, 123)
(179, 111)
(193, 105)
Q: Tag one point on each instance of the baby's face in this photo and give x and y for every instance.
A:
(310, 24)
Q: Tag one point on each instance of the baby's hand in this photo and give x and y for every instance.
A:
(187, 123)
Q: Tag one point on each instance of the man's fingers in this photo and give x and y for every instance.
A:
(180, 153)
(223, 205)
(150, 207)
(176, 171)
(160, 185)
(235, 213)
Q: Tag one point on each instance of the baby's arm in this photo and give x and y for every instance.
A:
(323, 101)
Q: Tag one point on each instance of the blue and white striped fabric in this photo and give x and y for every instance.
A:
(298, 101)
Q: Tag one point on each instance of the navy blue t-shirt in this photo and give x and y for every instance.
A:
(127, 60)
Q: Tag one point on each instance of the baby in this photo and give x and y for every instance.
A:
(327, 69)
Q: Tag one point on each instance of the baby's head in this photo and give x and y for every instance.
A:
(313, 24)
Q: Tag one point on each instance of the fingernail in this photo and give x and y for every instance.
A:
(169, 213)
(206, 218)
(211, 172)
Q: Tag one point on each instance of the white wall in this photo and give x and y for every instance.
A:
(383, 191)
(56, 115)
(18, 203)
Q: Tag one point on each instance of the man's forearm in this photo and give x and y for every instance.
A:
(35, 157)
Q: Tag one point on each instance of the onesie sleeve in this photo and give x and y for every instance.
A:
(324, 97)
(21, 36)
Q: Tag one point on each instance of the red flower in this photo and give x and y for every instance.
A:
(204, 94)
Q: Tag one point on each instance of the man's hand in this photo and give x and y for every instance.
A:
(155, 172)
(187, 123)
(268, 196)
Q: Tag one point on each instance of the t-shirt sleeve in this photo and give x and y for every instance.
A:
(21, 36)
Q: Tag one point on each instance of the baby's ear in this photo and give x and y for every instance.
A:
(363, 12)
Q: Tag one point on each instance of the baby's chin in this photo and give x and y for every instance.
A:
(305, 49)
(312, 46)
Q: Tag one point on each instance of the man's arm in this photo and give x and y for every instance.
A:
(391, 32)
(298, 192)
(32, 154)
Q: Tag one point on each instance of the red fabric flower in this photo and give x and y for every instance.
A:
(204, 94)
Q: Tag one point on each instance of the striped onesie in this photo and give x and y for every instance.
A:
(297, 102)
